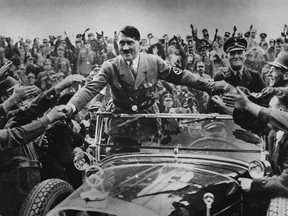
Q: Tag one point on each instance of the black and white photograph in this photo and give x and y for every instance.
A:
(143, 108)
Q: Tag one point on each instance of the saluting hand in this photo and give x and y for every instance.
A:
(22, 93)
(68, 81)
(4, 70)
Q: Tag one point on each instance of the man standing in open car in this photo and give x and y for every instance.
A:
(133, 77)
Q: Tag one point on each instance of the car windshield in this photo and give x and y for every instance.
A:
(204, 134)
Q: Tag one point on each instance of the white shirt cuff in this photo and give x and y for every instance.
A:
(72, 106)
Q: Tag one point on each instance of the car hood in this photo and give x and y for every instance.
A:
(144, 188)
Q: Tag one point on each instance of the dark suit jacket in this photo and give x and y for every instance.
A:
(276, 185)
(250, 79)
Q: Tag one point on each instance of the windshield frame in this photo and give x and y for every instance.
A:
(176, 149)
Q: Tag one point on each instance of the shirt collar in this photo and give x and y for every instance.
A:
(240, 71)
(279, 135)
(135, 62)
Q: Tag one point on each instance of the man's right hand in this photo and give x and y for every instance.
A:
(67, 109)
(218, 100)
(238, 101)
(56, 113)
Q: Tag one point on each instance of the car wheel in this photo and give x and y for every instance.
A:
(45, 196)
(278, 206)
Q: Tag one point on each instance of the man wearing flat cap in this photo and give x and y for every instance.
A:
(237, 74)
(133, 78)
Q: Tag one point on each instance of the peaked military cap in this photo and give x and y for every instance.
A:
(227, 34)
(235, 43)
(247, 34)
(263, 35)
(204, 44)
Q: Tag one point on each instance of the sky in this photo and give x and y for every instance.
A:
(40, 18)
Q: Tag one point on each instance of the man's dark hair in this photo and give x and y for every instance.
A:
(131, 31)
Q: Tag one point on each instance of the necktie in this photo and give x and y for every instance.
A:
(239, 76)
(59, 63)
(132, 69)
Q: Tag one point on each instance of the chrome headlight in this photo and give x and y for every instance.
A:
(82, 160)
(259, 169)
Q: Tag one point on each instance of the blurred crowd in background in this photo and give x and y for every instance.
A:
(36, 75)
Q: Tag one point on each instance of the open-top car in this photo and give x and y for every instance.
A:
(190, 167)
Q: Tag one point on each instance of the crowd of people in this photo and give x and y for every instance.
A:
(38, 81)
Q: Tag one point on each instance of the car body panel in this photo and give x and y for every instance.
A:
(143, 188)
(171, 175)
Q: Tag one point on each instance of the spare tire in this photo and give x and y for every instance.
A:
(45, 196)
(278, 206)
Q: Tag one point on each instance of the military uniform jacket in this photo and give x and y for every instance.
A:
(141, 88)
(62, 65)
(250, 79)
(86, 60)
(276, 185)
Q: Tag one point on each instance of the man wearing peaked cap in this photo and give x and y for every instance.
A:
(91, 36)
(79, 37)
(263, 37)
(237, 74)
(215, 129)
(235, 43)
(45, 41)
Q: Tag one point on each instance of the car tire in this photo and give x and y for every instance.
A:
(45, 196)
(278, 206)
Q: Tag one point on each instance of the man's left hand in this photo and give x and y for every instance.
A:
(245, 183)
